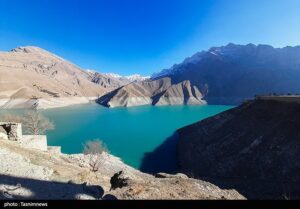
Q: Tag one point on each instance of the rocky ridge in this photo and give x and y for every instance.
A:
(157, 92)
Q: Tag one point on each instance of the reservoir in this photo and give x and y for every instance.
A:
(129, 133)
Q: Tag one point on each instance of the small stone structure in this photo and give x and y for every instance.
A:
(3, 133)
(35, 142)
(13, 132)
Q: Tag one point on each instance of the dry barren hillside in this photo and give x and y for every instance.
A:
(154, 92)
(31, 76)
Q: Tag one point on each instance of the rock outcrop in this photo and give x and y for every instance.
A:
(153, 92)
(33, 77)
(254, 148)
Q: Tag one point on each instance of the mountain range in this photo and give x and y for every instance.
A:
(33, 77)
(233, 73)
(113, 80)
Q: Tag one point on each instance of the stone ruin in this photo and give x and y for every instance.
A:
(13, 132)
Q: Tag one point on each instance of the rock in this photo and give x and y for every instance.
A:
(119, 180)
(166, 175)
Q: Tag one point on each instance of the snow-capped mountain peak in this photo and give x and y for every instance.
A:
(131, 78)
(114, 75)
(136, 77)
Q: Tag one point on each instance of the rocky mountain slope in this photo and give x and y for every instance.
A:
(253, 148)
(232, 73)
(31, 76)
(157, 92)
(33, 174)
(107, 80)
(112, 80)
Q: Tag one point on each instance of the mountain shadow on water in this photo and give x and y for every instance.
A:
(163, 158)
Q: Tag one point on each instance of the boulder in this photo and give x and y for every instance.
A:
(166, 175)
(120, 179)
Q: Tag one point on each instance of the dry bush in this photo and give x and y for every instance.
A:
(94, 149)
(35, 123)
(32, 121)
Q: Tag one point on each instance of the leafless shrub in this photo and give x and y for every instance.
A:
(32, 121)
(35, 123)
(94, 149)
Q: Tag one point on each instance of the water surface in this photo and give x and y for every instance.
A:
(129, 133)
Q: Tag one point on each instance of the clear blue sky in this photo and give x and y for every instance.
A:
(139, 36)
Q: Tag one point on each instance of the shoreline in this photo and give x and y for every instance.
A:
(51, 103)
(48, 103)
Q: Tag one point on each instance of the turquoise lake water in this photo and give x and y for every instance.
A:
(129, 133)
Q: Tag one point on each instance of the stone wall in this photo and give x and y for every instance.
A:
(3, 133)
(35, 142)
(13, 130)
(54, 149)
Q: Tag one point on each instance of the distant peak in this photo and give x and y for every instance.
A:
(266, 46)
(35, 50)
(230, 45)
(252, 45)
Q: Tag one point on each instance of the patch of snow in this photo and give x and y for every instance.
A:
(113, 75)
(90, 71)
(136, 77)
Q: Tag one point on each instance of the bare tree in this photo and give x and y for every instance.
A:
(94, 149)
(35, 123)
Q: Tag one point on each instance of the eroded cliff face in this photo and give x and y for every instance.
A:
(33, 174)
(156, 92)
(252, 145)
